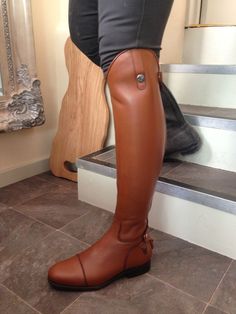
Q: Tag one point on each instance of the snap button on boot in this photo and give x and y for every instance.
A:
(140, 78)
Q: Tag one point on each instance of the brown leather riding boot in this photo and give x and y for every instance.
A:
(125, 250)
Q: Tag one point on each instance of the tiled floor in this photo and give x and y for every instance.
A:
(41, 221)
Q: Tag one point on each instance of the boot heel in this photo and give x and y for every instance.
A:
(136, 271)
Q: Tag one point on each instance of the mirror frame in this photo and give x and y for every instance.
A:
(21, 106)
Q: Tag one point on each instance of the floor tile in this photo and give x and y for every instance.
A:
(91, 226)
(139, 295)
(57, 180)
(169, 166)
(2, 207)
(186, 266)
(225, 296)
(220, 182)
(24, 190)
(55, 208)
(11, 304)
(27, 275)
(16, 233)
(213, 310)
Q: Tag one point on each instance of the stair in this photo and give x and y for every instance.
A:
(193, 202)
(208, 97)
(195, 196)
(201, 84)
(210, 44)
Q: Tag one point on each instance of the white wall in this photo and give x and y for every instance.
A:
(219, 12)
(173, 40)
(213, 12)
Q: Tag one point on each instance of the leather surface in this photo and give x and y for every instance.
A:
(140, 142)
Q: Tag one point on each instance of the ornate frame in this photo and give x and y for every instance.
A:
(21, 105)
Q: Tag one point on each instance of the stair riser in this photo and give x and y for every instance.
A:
(210, 45)
(196, 223)
(210, 90)
(218, 149)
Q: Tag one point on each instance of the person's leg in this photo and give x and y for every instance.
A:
(114, 37)
(132, 74)
(126, 24)
(83, 25)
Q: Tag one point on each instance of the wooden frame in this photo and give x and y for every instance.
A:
(21, 104)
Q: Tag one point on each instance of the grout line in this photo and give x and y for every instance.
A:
(73, 220)
(72, 237)
(215, 307)
(33, 197)
(44, 193)
(170, 285)
(213, 294)
(33, 218)
(45, 179)
(174, 168)
(44, 223)
(29, 246)
(49, 234)
(13, 293)
(68, 306)
(58, 184)
(53, 229)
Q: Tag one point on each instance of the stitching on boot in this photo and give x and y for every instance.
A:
(85, 278)
(130, 251)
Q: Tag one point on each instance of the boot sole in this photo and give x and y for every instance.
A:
(191, 149)
(186, 151)
(129, 273)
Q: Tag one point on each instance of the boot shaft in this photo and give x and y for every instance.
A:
(139, 130)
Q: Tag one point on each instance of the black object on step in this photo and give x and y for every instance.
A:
(181, 136)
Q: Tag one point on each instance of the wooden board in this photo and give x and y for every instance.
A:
(84, 114)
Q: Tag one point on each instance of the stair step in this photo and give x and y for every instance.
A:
(210, 117)
(199, 68)
(202, 85)
(200, 184)
(203, 45)
(192, 202)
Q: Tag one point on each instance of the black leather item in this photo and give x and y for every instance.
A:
(181, 136)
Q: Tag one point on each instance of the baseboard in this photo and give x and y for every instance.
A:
(23, 171)
(195, 223)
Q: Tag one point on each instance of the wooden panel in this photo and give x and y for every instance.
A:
(84, 114)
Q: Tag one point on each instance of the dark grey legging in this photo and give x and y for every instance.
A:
(103, 28)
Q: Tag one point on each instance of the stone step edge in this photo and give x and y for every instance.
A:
(198, 68)
(165, 187)
(210, 121)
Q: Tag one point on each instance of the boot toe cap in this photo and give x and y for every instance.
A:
(67, 273)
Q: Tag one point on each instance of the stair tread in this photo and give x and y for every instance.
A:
(199, 68)
(207, 180)
(209, 25)
(213, 112)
